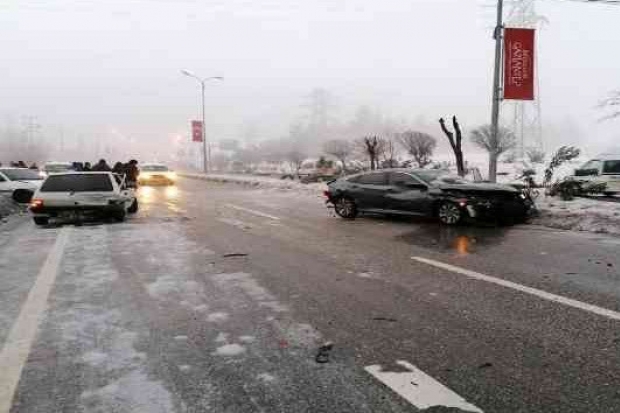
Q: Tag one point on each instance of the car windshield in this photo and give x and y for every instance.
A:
(154, 168)
(78, 183)
(439, 176)
(19, 174)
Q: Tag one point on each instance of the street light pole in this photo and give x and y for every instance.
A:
(205, 147)
(497, 98)
(205, 154)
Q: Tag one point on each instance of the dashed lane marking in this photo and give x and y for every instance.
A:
(420, 389)
(522, 288)
(17, 346)
(251, 211)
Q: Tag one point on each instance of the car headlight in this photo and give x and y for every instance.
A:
(171, 175)
(522, 196)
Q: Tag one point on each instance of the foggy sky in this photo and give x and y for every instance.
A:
(113, 67)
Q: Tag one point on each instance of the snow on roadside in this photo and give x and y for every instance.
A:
(580, 214)
(8, 206)
(261, 182)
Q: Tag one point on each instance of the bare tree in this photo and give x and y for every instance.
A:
(420, 145)
(455, 143)
(340, 149)
(389, 152)
(494, 144)
(372, 148)
(611, 102)
(296, 158)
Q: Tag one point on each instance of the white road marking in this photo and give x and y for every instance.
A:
(251, 211)
(420, 389)
(614, 315)
(17, 346)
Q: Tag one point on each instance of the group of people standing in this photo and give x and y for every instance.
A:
(129, 169)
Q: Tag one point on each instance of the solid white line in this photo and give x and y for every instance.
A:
(420, 389)
(251, 211)
(529, 290)
(17, 346)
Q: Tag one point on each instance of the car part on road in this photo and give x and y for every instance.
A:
(323, 355)
(449, 213)
(345, 208)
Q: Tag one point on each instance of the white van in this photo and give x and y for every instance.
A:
(605, 169)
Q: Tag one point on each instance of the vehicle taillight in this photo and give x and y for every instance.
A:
(36, 204)
(327, 194)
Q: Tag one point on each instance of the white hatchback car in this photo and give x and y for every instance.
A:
(605, 169)
(76, 195)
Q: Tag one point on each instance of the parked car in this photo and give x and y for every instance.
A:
(21, 183)
(56, 167)
(77, 195)
(604, 169)
(156, 174)
(433, 193)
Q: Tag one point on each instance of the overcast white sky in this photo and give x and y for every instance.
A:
(114, 64)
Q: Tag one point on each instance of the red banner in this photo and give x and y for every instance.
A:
(196, 131)
(519, 48)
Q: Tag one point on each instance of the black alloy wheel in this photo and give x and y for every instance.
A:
(345, 208)
(449, 213)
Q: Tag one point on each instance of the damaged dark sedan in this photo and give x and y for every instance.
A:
(433, 193)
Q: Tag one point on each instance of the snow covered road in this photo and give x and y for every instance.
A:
(217, 298)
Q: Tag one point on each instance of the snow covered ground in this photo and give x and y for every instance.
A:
(581, 214)
(7, 206)
(261, 182)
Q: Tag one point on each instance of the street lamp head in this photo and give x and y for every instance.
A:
(218, 77)
(187, 73)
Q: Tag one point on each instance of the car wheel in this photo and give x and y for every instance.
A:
(41, 220)
(345, 208)
(449, 213)
(134, 207)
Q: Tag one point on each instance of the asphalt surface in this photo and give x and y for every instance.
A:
(216, 298)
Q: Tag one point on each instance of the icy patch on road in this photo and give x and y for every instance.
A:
(229, 350)
(247, 339)
(133, 393)
(266, 377)
(217, 317)
(221, 338)
(235, 223)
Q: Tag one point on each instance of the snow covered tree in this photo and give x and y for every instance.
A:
(420, 145)
(494, 144)
(565, 153)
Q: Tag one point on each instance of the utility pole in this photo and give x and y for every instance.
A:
(206, 155)
(497, 98)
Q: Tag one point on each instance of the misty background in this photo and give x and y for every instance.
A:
(86, 79)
